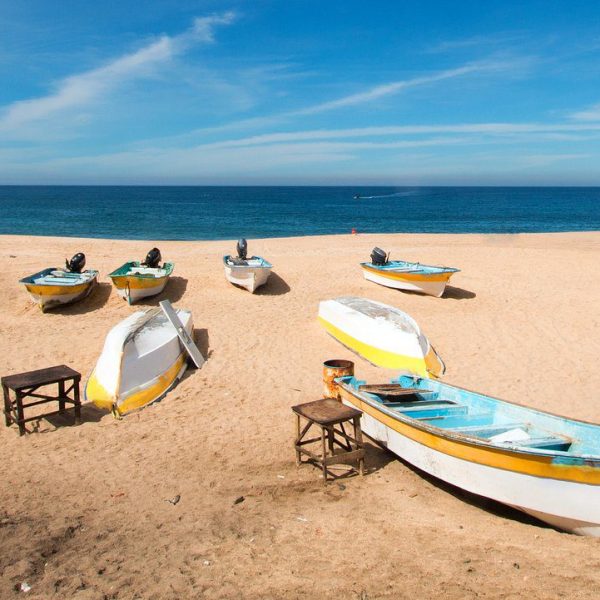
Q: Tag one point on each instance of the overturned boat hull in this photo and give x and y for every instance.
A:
(141, 361)
(52, 287)
(532, 461)
(384, 335)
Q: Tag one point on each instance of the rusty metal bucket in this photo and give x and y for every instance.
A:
(332, 369)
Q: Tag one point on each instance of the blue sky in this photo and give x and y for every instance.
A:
(300, 92)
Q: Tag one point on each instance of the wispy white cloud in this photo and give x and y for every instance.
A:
(591, 113)
(77, 91)
(388, 89)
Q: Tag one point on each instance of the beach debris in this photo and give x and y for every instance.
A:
(302, 519)
(341, 486)
(206, 563)
(280, 476)
(296, 390)
(173, 500)
(25, 587)
(516, 565)
(239, 500)
(12, 256)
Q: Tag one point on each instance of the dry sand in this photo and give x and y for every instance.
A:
(84, 510)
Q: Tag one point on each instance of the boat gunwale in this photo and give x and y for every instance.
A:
(417, 270)
(266, 264)
(592, 460)
(28, 280)
(167, 266)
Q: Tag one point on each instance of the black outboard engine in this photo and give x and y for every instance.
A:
(378, 256)
(76, 264)
(153, 258)
(242, 249)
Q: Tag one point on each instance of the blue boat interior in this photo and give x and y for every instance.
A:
(54, 276)
(481, 418)
(403, 266)
(252, 262)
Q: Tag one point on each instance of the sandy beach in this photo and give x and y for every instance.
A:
(84, 510)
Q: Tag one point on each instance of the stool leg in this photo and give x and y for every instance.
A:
(20, 414)
(360, 445)
(297, 440)
(323, 461)
(61, 396)
(330, 436)
(77, 400)
(7, 406)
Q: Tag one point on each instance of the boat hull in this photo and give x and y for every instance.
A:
(48, 297)
(134, 282)
(567, 498)
(251, 275)
(380, 344)
(424, 286)
(132, 372)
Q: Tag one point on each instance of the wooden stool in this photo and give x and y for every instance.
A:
(24, 385)
(326, 414)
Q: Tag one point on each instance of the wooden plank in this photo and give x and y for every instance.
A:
(186, 340)
(391, 389)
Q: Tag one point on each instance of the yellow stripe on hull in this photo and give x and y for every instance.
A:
(536, 465)
(138, 283)
(389, 274)
(58, 290)
(103, 399)
(385, 358)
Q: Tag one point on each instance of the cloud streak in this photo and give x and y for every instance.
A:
(77, 91)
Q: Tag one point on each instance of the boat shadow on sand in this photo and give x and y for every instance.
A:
(96, 300)
(174, 291)
(275, 286)
(456, 293)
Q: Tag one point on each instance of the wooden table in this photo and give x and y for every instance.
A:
(25, 385)
(326, 414)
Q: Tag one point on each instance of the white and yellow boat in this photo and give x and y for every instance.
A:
(142, 360)
(545, 465)
(382, 334)
(404, 275)
(54, 287)
(136, 280)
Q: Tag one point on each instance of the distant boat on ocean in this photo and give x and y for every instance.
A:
(542, 464)
(54, 287)
(404, 275)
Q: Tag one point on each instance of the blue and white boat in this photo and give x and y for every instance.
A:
(405, 275)
(249, 273)
(542, 464)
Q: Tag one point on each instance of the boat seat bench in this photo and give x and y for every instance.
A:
(549, 443)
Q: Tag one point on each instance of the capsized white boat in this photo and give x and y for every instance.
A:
(54, 287)
(384, 335)
(249, 273)
(404, 275)
(141, 361)
(542, 464)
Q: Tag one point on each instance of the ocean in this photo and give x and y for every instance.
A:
(210, 213)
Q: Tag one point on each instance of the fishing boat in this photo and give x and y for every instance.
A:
(249, 273)
(54, 287)
(384, 335)
(136, 280)
(542, 464)
(141, 361)
(404, 275)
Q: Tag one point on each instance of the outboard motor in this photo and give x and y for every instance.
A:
(153, 258)
(242, 249)
(76, 264)
(378, 256)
